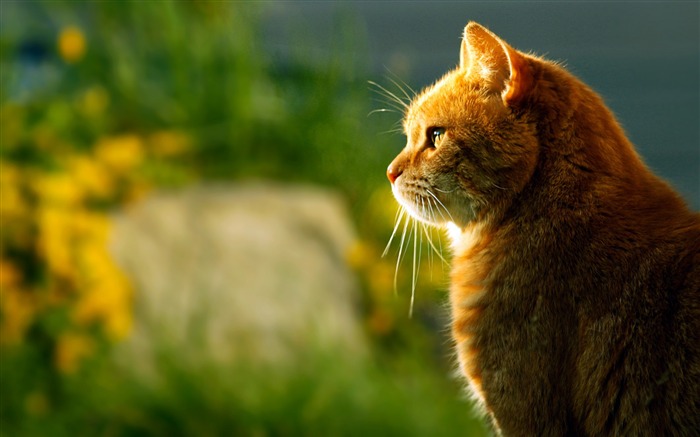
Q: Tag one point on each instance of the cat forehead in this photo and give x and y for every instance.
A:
(418, 108)
(450, 97)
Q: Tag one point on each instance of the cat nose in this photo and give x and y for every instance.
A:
(393, 171)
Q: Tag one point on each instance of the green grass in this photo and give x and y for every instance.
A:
(328, 395)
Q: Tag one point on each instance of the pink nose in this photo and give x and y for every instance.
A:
(393, 172)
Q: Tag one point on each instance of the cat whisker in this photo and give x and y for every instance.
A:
(409, 98)
(397, 130)
(398, 259)
(390, 102)
(435, 249)
(441, 204)
(399, 215)
(431, 210)
(430, 240)
(374, 111)
(439, 210)
(425, 212)
(445, 263)
(413, 92)
(430, 252)
(389, 94)
(415, 272)
(415, 230)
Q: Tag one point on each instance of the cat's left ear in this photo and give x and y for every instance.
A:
(505, 70)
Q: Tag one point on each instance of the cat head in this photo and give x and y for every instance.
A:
(470, 148)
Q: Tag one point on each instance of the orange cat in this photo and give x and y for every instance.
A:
(576, 272)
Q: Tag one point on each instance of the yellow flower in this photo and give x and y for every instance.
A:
(121, 154)
(108, 304)
(9, 274)
(93, 226)
(106, 292)
(71, 44)
(55, 242)
(118, 324)
(91, 176)
(71, 349)
(9, 174)
(58, 189)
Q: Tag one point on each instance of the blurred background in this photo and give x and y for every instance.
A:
(194, 205)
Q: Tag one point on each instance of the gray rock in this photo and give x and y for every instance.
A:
(251, 273)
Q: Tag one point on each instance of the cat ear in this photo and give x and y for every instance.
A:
(486, 55)
(464, 54)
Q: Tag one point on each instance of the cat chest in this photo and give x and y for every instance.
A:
(511, 349)
(502, 336)
(465, 296)
(475, 318)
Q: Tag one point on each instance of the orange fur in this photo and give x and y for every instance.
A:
(576, 274)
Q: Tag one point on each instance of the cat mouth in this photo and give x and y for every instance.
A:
(423, 205)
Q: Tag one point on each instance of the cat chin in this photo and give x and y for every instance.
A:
(431, 210)
(414, 210)
(415, 214)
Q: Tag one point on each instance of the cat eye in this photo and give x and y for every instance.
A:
(436, 134)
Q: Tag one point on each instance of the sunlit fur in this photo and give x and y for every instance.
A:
(575, 289)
